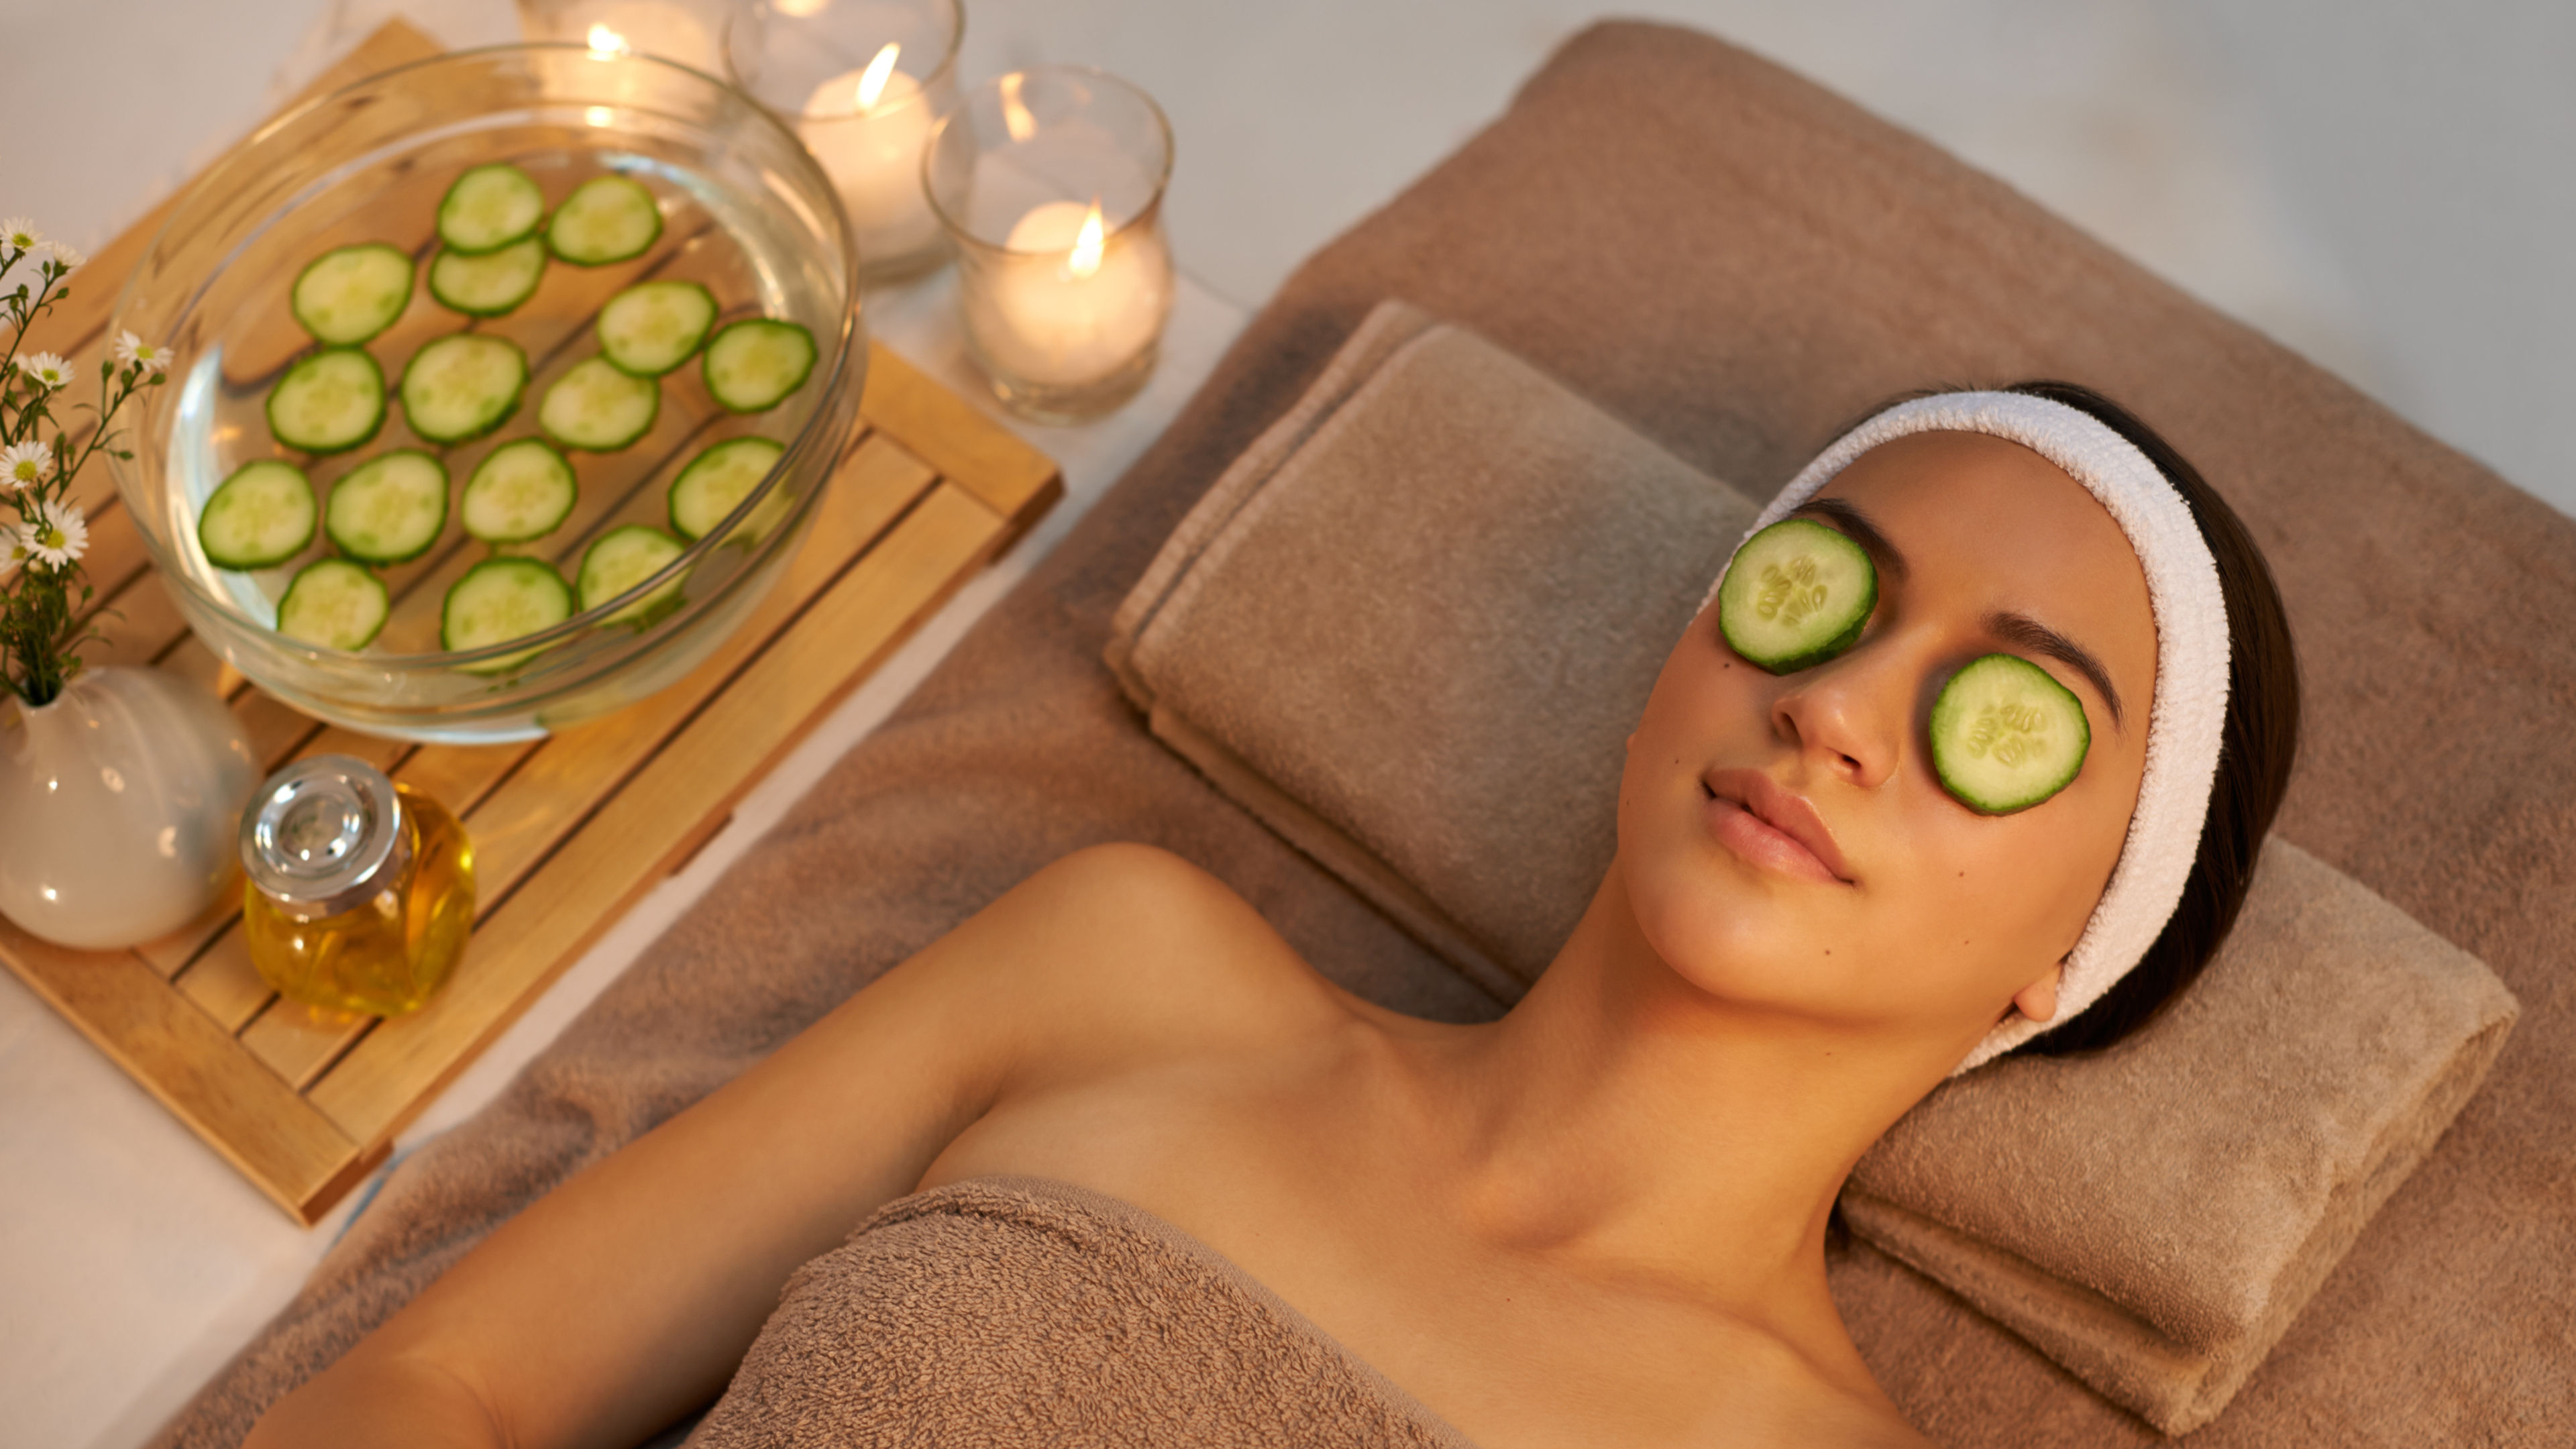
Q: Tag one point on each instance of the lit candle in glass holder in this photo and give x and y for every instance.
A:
(1063, 299)
(860, 81)
(669, 29)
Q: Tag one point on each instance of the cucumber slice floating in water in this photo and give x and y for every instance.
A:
(334, 603)
(328, 403)
(489, 284)
(1796, 595)
(520, 491)
(752, 365)
(715, 483)
(623, 558)
(488, 208)
(2005, 735)
(259, 518)
(349, 294)
(390, 509)
(498, 600)
(463, 386)
(649, 329)
(606, 219)
(597, 408)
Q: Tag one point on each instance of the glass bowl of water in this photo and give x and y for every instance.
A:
(744, 214)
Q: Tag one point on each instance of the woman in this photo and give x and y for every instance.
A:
(1602, 1218)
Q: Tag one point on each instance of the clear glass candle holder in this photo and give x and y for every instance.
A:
(1050, 183)
(860, 82)
(690, 32)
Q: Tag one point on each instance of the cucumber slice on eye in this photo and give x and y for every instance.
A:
(349, 294)
(596, 408)
(488, 208)
(650, 329)
(2005, 735)
(259, 518)
(606, 219)
(390, 510)
(490, 284)
(753, 364)
(1796, 595)
(328, 403)
(334, 603)
(622, 559)
(463, 386)
(520, 491)
(715, 483)
(498, 600)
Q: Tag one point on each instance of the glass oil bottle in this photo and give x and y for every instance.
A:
(361, 890)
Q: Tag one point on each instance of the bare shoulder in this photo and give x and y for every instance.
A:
(1120, 953)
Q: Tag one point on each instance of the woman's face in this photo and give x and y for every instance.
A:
(1783, 839)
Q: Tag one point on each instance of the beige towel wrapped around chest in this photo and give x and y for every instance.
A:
(1006, 1311)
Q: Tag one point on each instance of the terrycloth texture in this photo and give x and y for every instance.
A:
(1406, 622)
(2190, 705)
(2155, 1216)
(1441, 707)
(1008, 1311)
(1732, 261)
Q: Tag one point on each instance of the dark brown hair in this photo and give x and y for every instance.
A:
(2256, 747)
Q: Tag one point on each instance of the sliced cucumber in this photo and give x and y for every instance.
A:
(488, 208)
(463, 386)
(649, 329)
(259, 518)
(599, 409)
(2005, 735)
(335, 604)
(606, 219)
(715, 483)
(623, 558)
(521, 491)
(328, 403)
(349, 294)
(390, 509)
(490, 284)
(755, 363)
(1796, 595)
(498, 600)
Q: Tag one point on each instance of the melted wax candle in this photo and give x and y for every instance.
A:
(867, 127)
(1085, 307)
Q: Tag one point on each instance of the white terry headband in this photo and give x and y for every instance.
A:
(2189, 710)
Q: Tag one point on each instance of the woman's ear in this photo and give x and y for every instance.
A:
(2038, 1000)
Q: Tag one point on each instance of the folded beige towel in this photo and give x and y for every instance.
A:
(1411, 626)
(1005, 1311)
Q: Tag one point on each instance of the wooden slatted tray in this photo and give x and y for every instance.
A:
(568, 831)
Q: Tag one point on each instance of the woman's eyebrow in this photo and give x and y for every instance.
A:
(1863, 532)
(2025, 632)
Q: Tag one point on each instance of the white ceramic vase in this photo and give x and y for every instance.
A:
(119, 803)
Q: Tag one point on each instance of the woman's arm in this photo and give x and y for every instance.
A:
(628, 1295)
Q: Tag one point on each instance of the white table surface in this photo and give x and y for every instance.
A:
(134, 1261)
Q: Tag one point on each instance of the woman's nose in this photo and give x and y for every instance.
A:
(1848, 716)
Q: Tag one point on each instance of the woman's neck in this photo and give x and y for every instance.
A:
(1625, 1118)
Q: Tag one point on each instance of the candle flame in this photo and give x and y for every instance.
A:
(1015, 115)
(604, 41)
(872, 82)
(1085, 257)
(800, 8)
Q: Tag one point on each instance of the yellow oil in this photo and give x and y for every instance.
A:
(387, 955)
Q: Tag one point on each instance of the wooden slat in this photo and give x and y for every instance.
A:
(545, 926)
(276, 1138)
(945, 431)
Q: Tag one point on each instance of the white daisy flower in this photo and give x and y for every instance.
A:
(18, 234)
(56, 535)
(13, 553)
(70, 256)
(23, 465)
(46, 370)
(132, 351)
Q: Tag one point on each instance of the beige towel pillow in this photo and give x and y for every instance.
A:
(1410, 628)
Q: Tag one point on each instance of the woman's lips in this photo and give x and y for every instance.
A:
(1771, 827)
